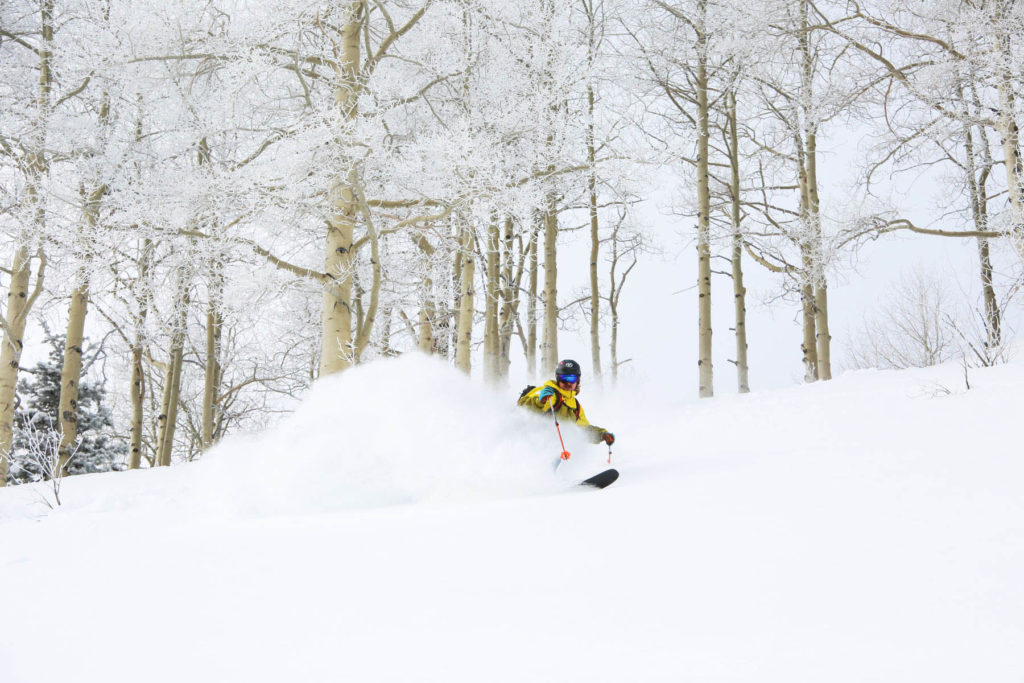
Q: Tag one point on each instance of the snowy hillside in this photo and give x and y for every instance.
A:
(405, 525)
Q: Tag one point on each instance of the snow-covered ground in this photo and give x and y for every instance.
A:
(405, 525)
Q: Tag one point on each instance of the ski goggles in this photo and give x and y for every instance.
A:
(570, 379)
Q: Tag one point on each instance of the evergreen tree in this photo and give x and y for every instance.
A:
(38, 405)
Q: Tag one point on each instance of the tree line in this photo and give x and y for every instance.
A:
(242, 197)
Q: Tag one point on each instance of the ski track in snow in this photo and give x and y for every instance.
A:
(404, 525)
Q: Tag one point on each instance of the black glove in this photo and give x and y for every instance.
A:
(609, 438)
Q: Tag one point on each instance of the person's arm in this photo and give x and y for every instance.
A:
(596, 433)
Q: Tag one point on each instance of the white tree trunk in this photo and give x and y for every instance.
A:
(464, 326)
(510, 298)
(822, 337)
(168, 419)
(336, 352)
(977, 185)
(814, 256)
(492, 340)
(809, 345)
(531, 305)
(19, 302)
(214, 372)
(549, 345)
(705, 371)
(137, 390)
(595, 243)
(15, 317)
(739, 290)
(71, 372)
(452, 316)
(425, 332)
(1010, 136)
(366, 323)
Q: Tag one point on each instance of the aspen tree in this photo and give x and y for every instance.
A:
(386, 349)
(549, 340)
(214, 372)
(336, 351)
(339, 349)
(822, 360)
(690, 101)
(141, 292)
(464, 325)
(595, 243)
(531, 304)
(137, 385)
(977, 187)
(19, 299)
(979, 154)
(168, 419)
(71, 372)
(455, 306)
(739, 290)
(809, 345)
(801, 101)
(366, 321)
(511, 276)
(1009, 132)
(492, 340)
(19, 303)
(517, 253)
(706, 374)
(620, 249)
(549, 343)
(425, 325)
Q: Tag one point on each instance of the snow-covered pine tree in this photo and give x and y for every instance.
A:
(39, 400)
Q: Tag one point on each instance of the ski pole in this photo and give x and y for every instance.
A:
(565, 454)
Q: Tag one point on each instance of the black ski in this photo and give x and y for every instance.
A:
(600, 481)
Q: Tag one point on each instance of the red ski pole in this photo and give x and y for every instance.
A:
(565, 454)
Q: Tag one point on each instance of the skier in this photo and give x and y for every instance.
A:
(559, 395)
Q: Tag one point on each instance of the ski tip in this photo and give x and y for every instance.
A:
(602, 479)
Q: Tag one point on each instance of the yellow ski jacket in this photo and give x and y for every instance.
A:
(569, 411)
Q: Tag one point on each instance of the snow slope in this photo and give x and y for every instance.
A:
(405, 525)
